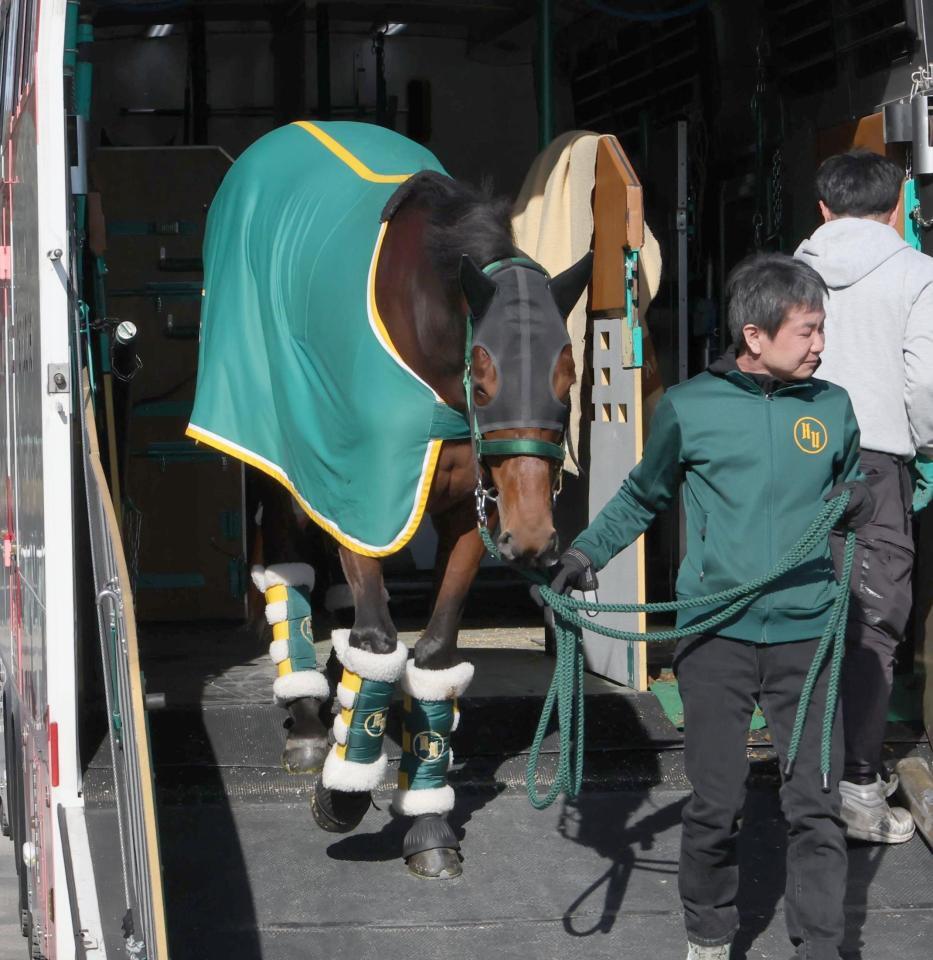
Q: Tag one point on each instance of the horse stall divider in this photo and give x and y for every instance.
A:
(616, 429)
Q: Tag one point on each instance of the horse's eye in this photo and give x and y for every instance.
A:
(480, 394)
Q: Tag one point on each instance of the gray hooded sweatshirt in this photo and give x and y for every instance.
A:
(879, 330)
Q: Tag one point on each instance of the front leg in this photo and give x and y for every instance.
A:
(432, 683)
(373, 629)
(372, 660)
(459, 552)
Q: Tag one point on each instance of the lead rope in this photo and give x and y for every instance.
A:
(566, 688)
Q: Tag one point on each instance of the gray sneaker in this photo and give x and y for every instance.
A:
(696, 951)
(868, 816)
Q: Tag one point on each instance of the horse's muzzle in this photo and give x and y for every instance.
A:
(536, 553)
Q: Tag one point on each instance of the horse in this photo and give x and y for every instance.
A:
(460, 310)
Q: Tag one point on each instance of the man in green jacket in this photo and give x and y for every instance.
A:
(758, 444)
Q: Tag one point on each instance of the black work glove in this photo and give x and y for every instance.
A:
(861, 506)
(573, 571)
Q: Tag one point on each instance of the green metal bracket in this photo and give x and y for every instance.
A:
(911, 203)
(178, 451)
(631, 317)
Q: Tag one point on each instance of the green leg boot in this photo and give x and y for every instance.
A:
(431, 848)
(356, 764)
(299, 686)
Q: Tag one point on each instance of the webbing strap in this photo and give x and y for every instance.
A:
(520, 446)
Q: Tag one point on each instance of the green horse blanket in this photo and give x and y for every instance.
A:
(297, 375)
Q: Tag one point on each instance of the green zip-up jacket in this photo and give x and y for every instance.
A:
(755, 466)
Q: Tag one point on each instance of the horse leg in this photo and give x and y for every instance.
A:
(372, 660)
(432, 683)
(286, 586)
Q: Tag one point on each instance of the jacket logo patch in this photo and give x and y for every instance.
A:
(810, 435)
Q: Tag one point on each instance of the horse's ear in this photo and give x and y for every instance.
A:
(477, 287)
(566, 287)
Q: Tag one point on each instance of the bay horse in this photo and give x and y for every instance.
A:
(469, 316)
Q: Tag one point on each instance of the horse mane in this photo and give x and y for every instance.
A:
(462, 219)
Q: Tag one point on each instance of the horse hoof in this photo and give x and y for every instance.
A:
(337, 811)
(306, 745)
(304, 754)
(431, 848)
(441, 863)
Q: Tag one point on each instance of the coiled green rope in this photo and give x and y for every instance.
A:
(566, 689)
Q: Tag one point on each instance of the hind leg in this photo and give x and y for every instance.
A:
(286, 586)
(372, 660)
(432, 684)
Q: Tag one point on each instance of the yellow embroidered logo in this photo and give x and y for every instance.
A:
(305, 629)
(810, 435)
(375, 723)
(428, 745)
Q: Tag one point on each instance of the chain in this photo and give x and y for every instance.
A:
(922, 80)
(777, 192)
(757, 108)
(918, 218)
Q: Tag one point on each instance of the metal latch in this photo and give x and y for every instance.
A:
(58, 378)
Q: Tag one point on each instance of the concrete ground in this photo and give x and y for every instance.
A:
(592, 879)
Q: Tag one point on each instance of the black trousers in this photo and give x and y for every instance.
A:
(720, 681)
(878, 609)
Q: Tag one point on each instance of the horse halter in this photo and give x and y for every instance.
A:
(522, 330)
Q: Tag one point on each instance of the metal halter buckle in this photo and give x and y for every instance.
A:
(481, 494)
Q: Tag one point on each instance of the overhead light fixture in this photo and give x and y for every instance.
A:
(393, 28)
(157, 30)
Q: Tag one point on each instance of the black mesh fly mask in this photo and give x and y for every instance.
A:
(517, 315)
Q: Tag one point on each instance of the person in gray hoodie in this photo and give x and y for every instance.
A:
(879, 347)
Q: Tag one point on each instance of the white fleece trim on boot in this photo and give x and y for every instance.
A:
(387, 667)
(278, 650)
(345, 697)
(340, 774)
(340, 729)
(301, 683)
(258, 575)
(283, 575)
(414, 803)
(435, 685)
(276, 612)
(456, 722)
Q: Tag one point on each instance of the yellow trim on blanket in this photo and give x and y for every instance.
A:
(371, 293)
(277, 473)
(354, 163)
